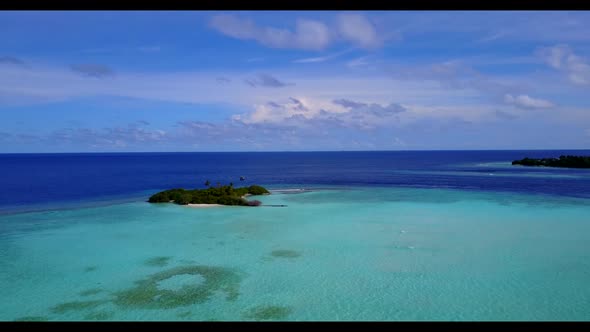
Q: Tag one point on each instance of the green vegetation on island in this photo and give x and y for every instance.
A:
(222, 195)
(562, 161)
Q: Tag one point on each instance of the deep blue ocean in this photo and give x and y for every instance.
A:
(30, 181)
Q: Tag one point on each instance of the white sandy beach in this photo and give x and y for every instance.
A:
(203, 205)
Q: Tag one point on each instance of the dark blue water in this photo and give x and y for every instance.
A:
(28, 180)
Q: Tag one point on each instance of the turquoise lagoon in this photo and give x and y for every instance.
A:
(362, 253)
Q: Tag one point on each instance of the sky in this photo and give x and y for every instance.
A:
(107, 81)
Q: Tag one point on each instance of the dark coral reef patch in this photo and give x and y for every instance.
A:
(147, 295)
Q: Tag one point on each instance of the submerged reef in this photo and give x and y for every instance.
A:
(76, 306)
(268, 312)
(157, 261)
(147, 295)
(90, 268)
(91, 291)
(222, 195)
(101, 315)
(170, 288)
(184, 314)
(562, 161)
(32, 319)
(283, 253)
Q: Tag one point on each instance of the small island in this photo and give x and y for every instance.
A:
(220, 195)
(562, 161)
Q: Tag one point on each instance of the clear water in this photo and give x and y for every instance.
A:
(355, 252)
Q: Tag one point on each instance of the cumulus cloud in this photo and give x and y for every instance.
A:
(266, 80)
(93, 70)
(525, 101)
(308, 34)
(341, 113)
(276, 111)
(562, 57)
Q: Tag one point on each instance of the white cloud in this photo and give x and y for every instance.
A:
(266, 80)
(37, 85)
(322, 58)
(308, 34)
(562, 57)
(276, 112)
(359, 30)
(358, 62)
(525, 101)
(554, 56)
(315, 92)
(493, 36)
(312, 60)
(342, 113)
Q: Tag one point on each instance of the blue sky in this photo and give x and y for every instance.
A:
(293, 80)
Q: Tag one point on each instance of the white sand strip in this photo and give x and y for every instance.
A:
(203, 205)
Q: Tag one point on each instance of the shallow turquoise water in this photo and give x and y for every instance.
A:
(339, 254)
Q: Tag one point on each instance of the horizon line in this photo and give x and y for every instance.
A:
(292, 151)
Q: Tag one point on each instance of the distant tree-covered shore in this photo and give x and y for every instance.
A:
(562, 161)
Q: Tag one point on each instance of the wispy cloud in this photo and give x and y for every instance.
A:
(358, 62)
(322, 58)
(308, 34)
(93, 70)
(266, 80)
(5, 136)
(114, 137)
(563, 58)
(493, 36)
(223, 80)
(525, 101)
(10, 60)
(359, 30)
(505, 115)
